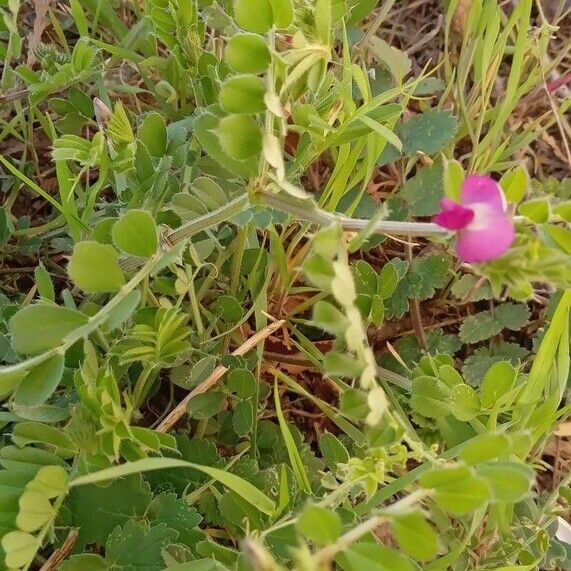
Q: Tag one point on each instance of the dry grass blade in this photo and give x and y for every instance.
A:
(60, 554)
(178, 412)
(41, 8)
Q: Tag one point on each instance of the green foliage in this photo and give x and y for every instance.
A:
(428, 132)
(239, 206)
(95, 268)
(424, 191)
(135, 233)
(319, 525)
(486, 324)
(247, 53)
(418, 280)
(37, 328)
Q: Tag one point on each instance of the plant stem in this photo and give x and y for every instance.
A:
(308, 212)
(217, 216)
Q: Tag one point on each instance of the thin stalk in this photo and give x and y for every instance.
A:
(302, 211)
(210, 219)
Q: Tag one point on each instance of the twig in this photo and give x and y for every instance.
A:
(427, 37)
(6, 98)
(180, 409)
(60, 554)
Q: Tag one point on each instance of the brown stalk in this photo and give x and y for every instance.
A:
(178, 412)
(60, 554)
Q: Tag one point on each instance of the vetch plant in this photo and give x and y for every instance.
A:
(232, 333)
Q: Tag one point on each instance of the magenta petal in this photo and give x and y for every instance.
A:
(477, 189)
(453, 216)
(484, 244)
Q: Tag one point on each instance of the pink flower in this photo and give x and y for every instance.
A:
(484, 228)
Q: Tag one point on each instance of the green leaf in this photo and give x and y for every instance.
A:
(243, 94)
(457, 490)
(327, 317)
(476, 366)
(479, 327)
(366, 279)
(369, 556)
(515, 184)
(85, 561)
(384, 132)
(428, 133)
(292, 451)
(485, 447)
(205, 127)
(453, 179)
(136, 233)
(415, 536)
(6, 226)
(50, 481)
(430, 397)
(243, 418)
(498, 380)
(28, 459)
(563, 210)
(387, 282)
(562, 236)
(94, 267)
(342, 364)
(123, 310)
(319, 525)
(38, 328)
(206, 404)
(97, 510)
(238, 512)
(253, 15)
(449, 375)
(469, 287)
(44, 283)
(40, 383)
(228, 308)
(134, 546)
(240, 136)
(242, 382)
(204, 564)
(248, 53)
(119, 127)
(243, 488)
(319, 271)
(35, 511)
(282, 12)
(177, 514)
(153, 134)
(395, 60)
(31, 432)
(427, 273)
(377, 315)
(353, 403)
(190, 376)
(536, 210)
(322, 16)
(508, 481)
(326, 241)
(512, 316)
(20, 549)
(424, 191)
(332, 450)
(465, 402)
